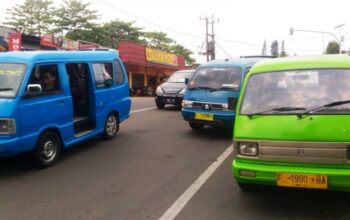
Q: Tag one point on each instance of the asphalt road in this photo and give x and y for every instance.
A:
(139, 175)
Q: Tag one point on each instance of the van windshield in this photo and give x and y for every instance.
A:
(217, 79)
(179, 77)
(11, 75)
(297, 90)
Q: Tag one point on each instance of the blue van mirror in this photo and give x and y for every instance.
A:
(186, 81)
(34, 88)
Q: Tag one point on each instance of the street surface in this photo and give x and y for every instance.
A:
(138, 175)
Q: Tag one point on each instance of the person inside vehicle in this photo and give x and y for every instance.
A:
(49, 81)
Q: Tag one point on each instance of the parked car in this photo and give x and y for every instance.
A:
(292, 124)
(210, 97)
(50, 100)
(172, 90)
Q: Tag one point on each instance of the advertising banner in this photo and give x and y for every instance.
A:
(156, 56)
(15, 41)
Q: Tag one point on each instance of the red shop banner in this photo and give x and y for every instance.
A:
(15, 41)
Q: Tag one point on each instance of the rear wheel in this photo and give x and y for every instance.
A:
(196, 126)
(47, 150)
(160, 105)
(111, 126)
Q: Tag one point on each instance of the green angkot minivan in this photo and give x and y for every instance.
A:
(292, 127)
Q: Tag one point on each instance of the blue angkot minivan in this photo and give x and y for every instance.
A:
(51, 100)
(212, 92)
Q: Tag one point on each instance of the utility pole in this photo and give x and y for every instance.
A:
(210, 44)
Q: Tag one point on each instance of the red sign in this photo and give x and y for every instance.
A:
(51, 41)
(15, 41)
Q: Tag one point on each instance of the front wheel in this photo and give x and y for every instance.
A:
(160, 105)
(47, 150)
(196, 126)
(111, 127)
(247, 187)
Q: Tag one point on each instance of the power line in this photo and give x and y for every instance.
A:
(147, 21)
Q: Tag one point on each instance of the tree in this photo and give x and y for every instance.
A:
(73, 17)
(332, 48)
(160, 41)
(264, 52)
(110, 33)
(274, 48)
(33, 17)
(283, 51)
(181, 50)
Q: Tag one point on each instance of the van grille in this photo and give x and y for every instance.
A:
(207, 106)
(303, 152)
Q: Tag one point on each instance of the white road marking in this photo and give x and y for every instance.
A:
(141, 110)
(180, 203)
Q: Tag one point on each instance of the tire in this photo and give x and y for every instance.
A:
(247, 187)
(111, 127)
(47, 149)
(160, 105)
(196, 126)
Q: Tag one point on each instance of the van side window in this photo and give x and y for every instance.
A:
(103, 73)
(44, 79)
(119, 79)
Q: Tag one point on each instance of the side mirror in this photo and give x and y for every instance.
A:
(232, 102)
(186, 81)
(108, 82)
(34, 88)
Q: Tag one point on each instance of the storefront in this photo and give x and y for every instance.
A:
(147, 67)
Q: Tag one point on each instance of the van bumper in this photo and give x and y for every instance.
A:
(266, 172)
(9, 147)
(220, 118)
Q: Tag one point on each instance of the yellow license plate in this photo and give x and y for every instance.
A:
(203, 116)
(302, 180)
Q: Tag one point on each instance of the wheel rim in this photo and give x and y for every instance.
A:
(111, 126)
(49, 150)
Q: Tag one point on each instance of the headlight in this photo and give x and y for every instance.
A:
(187, 104)
(7, 126)
(248, 148)
(182, 91)
(225, 107)
(159, 91)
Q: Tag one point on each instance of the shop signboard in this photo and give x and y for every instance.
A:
(156, 56)
(15, 41)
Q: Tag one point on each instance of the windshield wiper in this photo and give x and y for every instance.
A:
(331, 104)
(203, 87)
(6, 89)
(280, 109)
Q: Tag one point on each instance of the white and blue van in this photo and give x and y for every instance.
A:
(51, 100)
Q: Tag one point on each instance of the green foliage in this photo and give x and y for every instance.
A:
(33, 17)
(332, 48)
(160, 41)
(274, 48)
(73, 17)
(283, 51)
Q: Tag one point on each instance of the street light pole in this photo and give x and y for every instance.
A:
(291, 31)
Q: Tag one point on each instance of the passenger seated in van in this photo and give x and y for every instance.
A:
(49, 81)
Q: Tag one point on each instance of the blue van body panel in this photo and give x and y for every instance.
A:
(35, 115)
(221, 118)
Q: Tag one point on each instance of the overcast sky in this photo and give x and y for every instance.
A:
(243, 24)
